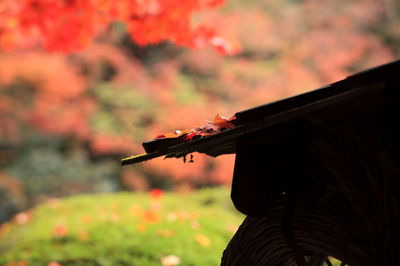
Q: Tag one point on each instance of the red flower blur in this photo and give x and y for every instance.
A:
(156, 193)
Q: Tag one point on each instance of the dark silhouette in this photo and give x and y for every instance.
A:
(316, 174)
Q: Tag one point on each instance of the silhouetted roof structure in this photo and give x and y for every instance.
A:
(350, 97)
(317, 174)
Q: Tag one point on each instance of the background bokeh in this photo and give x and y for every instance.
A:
(66, 119)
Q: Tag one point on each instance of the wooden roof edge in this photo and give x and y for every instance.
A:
(277, 112)
(375, 74)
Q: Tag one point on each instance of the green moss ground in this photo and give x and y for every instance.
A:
(122, 229)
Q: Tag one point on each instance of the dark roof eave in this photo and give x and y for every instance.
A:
(352, 88)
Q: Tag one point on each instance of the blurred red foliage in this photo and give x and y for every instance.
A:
(53, 106)
(70, 25)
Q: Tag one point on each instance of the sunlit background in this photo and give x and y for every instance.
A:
(67, 118)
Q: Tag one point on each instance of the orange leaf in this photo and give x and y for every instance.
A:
(219, 124)
(151, 216)
(60, 231)
(223, 122)
(202, 240)
(166, 232)
(54, 263)
(141, 227)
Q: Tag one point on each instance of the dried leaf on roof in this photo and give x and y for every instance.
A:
(219, 124)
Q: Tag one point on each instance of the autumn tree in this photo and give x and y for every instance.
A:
(71, 25)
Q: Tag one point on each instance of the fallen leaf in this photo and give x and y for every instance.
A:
(136, 210)
(218, 125)
(190, 137)
(83, 235)
(232, 228)
(166, 232)
(151, 216)
(170, 260)
(17, 263)
(171, 217)
(202, 240)
(22, 218)
(195, 225)
(141, 227)
(223, 122)
(86, 219)
(54, 263)
(60, 231)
